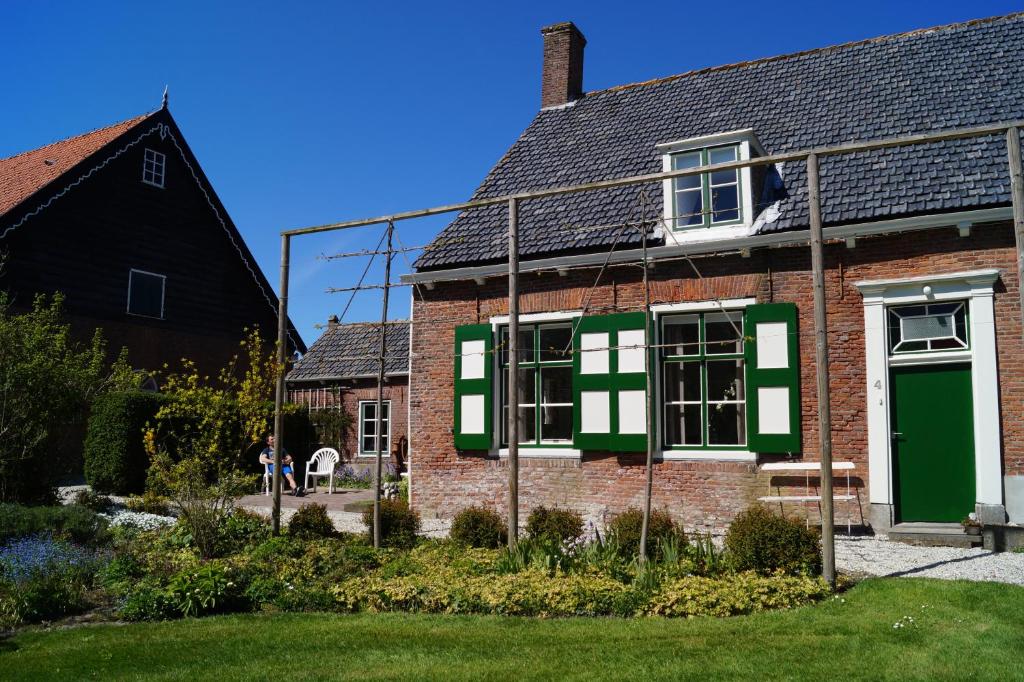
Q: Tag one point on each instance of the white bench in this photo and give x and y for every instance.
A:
(778, 468)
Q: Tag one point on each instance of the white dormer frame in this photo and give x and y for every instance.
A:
(749, 147)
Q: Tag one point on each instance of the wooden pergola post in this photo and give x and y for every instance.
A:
(380, 392)
(282, 368)
(513, 372)
(828, 548)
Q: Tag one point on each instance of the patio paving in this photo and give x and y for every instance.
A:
(335, 501)
(348, 521)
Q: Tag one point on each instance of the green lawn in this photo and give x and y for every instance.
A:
(959, 630)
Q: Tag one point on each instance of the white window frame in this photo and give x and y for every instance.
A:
(740, 453)
(163, 293)
(748, 146)
(964, 343)
(553, 451)
(154, 165)
(362, 433)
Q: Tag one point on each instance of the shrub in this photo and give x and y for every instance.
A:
(403, 490)
(398, 523)
(560, 525)
(204, 494)
(71, 522)
(47, 380)
(115, 459)
(94, 501)
(625, 529)
(758, 540)
(243, 529)
(147, 600)
(479, 527)
(311, 521)
(149, 503)
(209, 589)
(735, 595)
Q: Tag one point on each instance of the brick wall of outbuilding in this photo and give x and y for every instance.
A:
(702, 494)
(352, 392)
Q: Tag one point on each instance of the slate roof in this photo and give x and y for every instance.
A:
(22, 175)
(924, 81)
(346, 351)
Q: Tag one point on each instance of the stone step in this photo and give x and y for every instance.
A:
(933, 535)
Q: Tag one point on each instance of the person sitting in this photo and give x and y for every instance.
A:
(267, 457)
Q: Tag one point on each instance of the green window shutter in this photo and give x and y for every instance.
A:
(474, 367)
(772, 352)
(609, 384)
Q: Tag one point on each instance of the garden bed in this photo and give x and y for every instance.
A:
(137, 566)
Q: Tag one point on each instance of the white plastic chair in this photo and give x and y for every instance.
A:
(323, 463)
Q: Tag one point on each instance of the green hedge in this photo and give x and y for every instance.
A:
(115, 461)
(72, 522)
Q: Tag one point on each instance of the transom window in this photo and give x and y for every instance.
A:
(146, 294)
(928, 327)
(707, 199)
(368, 425)
(545, 384)
(704, 394)
(153, 164)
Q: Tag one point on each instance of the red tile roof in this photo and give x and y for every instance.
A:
(24, 174)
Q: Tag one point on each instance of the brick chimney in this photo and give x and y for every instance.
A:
(332, 321)
(562, 74)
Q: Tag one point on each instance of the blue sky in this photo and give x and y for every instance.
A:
(304, 113)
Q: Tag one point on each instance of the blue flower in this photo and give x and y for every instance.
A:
(28, 557)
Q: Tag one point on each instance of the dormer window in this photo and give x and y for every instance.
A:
(719, 199)
(710, 198)
(153, 168)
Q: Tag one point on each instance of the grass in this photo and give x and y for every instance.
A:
(959, 630)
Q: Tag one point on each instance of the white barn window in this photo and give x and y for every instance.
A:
(153, 164)
(369, 425)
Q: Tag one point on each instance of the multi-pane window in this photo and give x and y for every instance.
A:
(703, 387)
(153, 164)
(370, 426)
(545, 384)
(709, 198)
(928, 327)
(146, 294)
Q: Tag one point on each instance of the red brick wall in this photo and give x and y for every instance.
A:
(395, 390)
(702, 494)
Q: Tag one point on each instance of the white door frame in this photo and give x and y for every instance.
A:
(976, 287)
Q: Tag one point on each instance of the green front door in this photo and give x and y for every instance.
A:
(933, 442)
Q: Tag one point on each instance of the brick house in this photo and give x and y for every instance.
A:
(339, 372)
(921, 288)
(123, 221)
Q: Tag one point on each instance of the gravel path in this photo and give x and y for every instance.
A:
(352, 522)
(895, 559)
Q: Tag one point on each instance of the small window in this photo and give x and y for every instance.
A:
(153, 168)
(369, 425)
(146, 294)
(928, 327)
(709, 199)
